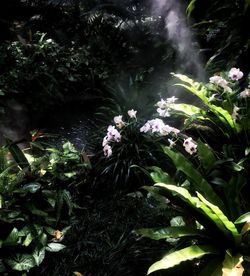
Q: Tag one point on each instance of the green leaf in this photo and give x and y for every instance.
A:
(188, 253)
(39, 256)
(158, 175)
(28, 240)
(243, 218)
(54, 247)
(17, 154)
(232, 265)
(247, 150)
(177, 221)
(221, 218)
(188, 109)
(206, 155)
(21, 262)
(170, 232)
(223, 115)
(190, 7)
(32, 187)
(198, 182)
(13, 238)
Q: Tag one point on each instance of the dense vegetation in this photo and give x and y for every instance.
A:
(162, 185)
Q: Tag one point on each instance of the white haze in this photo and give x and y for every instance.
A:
(180, 36)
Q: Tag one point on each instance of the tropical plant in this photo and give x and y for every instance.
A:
(209, 229)
(35, 208)
(124, 153)
(210, 188)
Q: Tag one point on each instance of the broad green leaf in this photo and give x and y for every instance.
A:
(158, 175)
(184, 78)
(21, 262)
(170, 232)
(206, 155)
(13, 238)
(188, 253)
(243, 218)
(39, 256)
(180, 191)
(198, 182)
(188, 109)
(232, 265)
(221, 218)
(224, 116)
(54, 247)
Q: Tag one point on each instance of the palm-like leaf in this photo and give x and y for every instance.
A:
(188, 253)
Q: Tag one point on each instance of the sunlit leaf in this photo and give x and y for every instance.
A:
(188, 253)
(221, 218)
(190, 7)
(28, 240)
(243, 218)
(39, 256)
(54, 247)
(21, 262)
(197, 181)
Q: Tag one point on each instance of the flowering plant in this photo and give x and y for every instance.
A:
(210, 187)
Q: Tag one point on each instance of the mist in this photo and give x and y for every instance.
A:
(180, 37)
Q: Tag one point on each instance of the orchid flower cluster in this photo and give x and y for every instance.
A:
(166, 106)
(154, 126)
(234, 75)
(113, 135)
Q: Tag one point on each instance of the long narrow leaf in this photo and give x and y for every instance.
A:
(198, 182)
(170, 232)
(221, 218)
(243, 218)
(17, 154)
(188, 253)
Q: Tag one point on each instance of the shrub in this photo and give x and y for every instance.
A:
(35, 204)
(211, 181)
